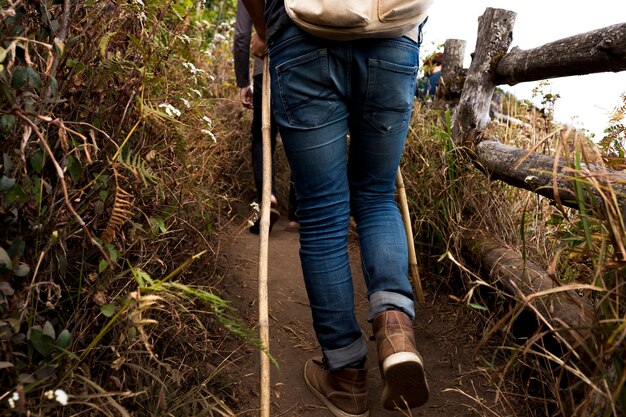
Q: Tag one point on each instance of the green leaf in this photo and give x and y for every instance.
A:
(17, 248)
(142, 277)
(37, 161)
(107, 310)
(75, 168)
(19, 78)
(132, 332)
(64, 339)
(112, 251)
(6, 161)
(41, 342)
(55, 25)
(7, 122)
(103, 265)
(6, 183)
(3, 54)
(22, 270)
(5, 261)
(54, 86)
(6, 289)
(157, 223)
(59, 47)
(478, 307)
(48, 330)
(34, 77)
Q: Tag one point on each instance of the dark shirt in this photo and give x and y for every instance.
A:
(275, 16)
(241, 47)
(427, 86)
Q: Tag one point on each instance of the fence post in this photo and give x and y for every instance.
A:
(452, 73)
(495, 34)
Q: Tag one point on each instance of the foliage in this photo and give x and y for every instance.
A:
(581, 249)
(107, 110)
(614, 142)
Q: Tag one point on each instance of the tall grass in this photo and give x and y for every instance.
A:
(580, 249)
(119, 164)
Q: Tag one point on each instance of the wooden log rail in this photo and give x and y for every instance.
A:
(595, 51)
(553, 178)
(604, 190)
(568, 315)
(602, 50)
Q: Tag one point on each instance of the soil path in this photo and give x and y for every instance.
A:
(441, 332)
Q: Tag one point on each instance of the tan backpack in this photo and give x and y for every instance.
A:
(355, 19)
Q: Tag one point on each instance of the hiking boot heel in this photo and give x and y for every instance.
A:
(343, 392)
(405, 383)
(401, 367)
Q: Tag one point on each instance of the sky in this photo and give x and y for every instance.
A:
(586, 101)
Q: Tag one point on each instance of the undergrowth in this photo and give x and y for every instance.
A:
(544, 371)
(116, 177)
(124, 155)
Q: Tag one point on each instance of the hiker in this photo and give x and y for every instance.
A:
(322, 90)
(251, 98)
(426, 86)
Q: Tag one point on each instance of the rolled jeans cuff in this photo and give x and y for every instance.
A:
(339, 358)
(386, 300)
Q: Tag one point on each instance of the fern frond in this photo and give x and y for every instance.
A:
(135, 164)
(121, 213)
(104, 42)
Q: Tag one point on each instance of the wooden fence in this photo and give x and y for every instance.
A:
(470, 91)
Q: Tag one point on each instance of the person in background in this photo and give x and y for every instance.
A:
(251, 98)
(322, 90)
(426, 86)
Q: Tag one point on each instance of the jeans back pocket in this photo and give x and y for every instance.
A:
(389, 97)
(305, 88)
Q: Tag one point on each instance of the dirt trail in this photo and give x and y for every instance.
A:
(441, 334)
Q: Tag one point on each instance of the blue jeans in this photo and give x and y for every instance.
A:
(321, 91)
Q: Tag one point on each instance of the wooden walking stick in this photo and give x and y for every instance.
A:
(408, 228)
(264, 232)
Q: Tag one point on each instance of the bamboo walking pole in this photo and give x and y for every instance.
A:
(264, 244)
(408, 229)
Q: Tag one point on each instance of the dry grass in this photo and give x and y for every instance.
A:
(451, 200)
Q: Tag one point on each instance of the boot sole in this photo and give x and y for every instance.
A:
(405, 383)
(333, 409)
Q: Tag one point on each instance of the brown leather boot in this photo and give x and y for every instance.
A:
(401, 367)
(344, 391)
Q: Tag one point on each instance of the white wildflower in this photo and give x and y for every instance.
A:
(212, 78)
(170, 110)
(139, 2)
(208, 120)
(198, 92)
(211, 135)
(192, 68)
(219, 37)
(255, 206)
(185, 38)
(185, 102)
(13, 399)
(60, 396)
